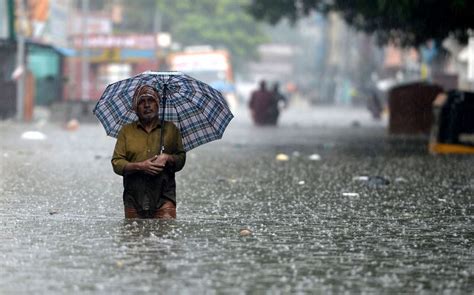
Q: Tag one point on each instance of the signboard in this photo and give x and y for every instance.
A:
(199, 61)
(57, 29)
(96, 23)
(118, 41)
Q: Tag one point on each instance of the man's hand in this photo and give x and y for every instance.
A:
(163, 159)
(152, 166)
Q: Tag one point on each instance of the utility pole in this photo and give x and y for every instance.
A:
(20, 60)
(85, 51)
(157, 20)
(72, 81)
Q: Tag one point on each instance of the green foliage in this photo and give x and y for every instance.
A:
(406, 22)
(220, 23)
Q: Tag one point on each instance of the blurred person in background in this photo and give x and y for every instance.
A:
(278, 102)
(260, 104)
(374, 105)
(148, 176)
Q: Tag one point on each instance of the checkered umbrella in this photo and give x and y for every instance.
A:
(198, 110)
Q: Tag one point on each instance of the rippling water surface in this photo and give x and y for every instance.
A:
(317, 226)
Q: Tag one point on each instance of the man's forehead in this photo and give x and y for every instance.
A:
(147, 96)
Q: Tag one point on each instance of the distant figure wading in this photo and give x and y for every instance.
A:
(264, 104)
(260, 104)
(277, 99)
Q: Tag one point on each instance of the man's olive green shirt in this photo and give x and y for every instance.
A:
(134, 144)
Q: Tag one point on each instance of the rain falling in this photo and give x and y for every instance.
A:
(359, 180)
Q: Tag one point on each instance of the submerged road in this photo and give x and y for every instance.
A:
(347, 208)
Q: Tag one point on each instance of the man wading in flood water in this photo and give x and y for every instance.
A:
(148, 176)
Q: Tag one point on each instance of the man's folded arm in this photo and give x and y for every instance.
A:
(118, 158)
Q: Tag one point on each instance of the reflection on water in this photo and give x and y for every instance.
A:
(314, 228)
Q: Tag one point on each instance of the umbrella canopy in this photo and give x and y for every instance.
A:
(198, 110)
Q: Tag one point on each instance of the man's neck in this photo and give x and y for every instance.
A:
(148, 125)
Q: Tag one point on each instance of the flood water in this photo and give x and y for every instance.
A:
(319, 221)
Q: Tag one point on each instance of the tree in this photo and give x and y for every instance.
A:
(222, 23)
(404, 22)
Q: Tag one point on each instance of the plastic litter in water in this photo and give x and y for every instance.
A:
(378, 181)
(72, 125)
(360, 178)
(282, 157)
(350, 194)
(53, 211)
(301, 182)
(245, 232)
(315, 157)
(33, 135)
(400, 180)
(372, 180)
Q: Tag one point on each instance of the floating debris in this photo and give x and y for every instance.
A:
(282, 157)
(378, 181)
(226, 180)
(33, 135)
(245, 232)
(221, 179)
(314, 157)
(53, 211)
(401, 180)
(119, 264)
(360, 178)
(350, 194)
(72, 125)
(301, 182)
(372, 180)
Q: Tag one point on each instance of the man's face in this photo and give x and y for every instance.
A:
(147, 108)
